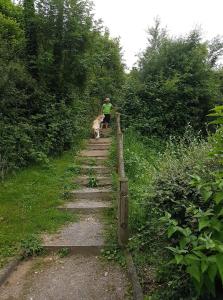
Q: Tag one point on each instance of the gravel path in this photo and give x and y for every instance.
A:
(70, 278)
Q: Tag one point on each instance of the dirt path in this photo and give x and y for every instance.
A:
(82, 275)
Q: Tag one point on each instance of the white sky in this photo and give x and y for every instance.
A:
(129, 19)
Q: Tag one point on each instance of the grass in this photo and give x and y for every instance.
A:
(28, 202)
(141, 157)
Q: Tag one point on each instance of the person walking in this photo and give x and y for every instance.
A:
(106, 111)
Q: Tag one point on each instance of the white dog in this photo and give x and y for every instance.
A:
(97, 126)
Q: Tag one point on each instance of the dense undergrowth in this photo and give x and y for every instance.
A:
(159, 175)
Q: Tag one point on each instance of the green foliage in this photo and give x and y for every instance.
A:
(8, 9)
(107, 73)
(139, 163)
(75, 169)
(30, 30)
(63, 252)
(199, 240)
(92, 183)
(175, 84)
(31, 246)
(55, 64)
(114, 254)
(160, 180)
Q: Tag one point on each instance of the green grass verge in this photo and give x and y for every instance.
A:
(28, 202)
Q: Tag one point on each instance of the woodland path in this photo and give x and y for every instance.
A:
(82, 275)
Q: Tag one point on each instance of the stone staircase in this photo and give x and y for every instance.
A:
(89, 202)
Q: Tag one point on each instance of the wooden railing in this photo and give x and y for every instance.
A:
(123, 234)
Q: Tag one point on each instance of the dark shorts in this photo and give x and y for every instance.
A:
(107, 119)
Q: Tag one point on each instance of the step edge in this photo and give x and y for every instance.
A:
(91, 191)
(85, 210)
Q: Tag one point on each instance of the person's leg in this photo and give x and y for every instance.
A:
(108, 120)
(103, 124)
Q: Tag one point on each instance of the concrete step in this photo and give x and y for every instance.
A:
(100, 181)
(94, 161)
(74, 249)
(97, 170)
(94, 153)
(106, 133)
(84, 206)
(100, 141)
(93, 194)
(106, 129)
(97, 146)
(85, 236)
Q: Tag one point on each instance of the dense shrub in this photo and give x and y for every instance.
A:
(160, 181)
(198, 246)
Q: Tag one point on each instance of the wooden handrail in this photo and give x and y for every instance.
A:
(120, 147)
(123, 188)
(123, 196)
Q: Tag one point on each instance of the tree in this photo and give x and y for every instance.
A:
(55, 63)
(178, 84)
(31, 36)
(215, 50)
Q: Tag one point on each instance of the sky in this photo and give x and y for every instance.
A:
(129, 20)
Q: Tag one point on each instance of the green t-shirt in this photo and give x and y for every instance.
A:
(106, 108)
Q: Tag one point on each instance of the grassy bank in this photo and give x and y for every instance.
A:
(159, 175)
(28, 202)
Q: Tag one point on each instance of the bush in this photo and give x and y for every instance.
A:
(198, 246)
(182, 157)
(160, 181)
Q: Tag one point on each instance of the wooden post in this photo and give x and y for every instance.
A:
(119, 134)
(118, 123)
(123, 212)
(123, 189)
(123, 234)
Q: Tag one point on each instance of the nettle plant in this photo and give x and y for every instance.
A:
(198, 244)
